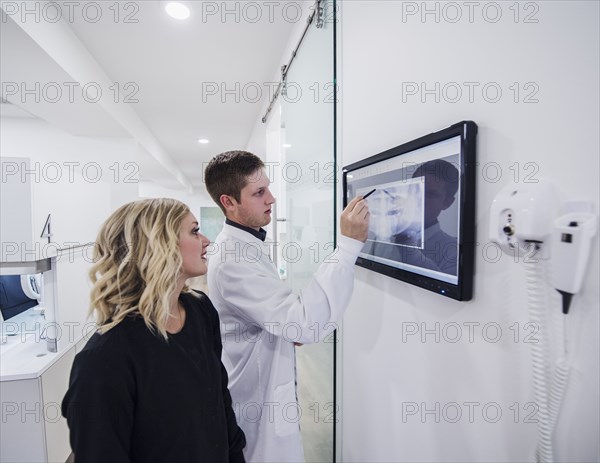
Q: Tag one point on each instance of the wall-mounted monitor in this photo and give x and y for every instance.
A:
(422, 225)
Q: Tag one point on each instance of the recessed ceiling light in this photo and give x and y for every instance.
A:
(203, 141)
(177, 10)
(287, 145)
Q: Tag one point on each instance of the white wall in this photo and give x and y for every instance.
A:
(382, 52)
(195, 201)
(78, 180)
(65, 164)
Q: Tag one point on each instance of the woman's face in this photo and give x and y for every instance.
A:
(192, 245)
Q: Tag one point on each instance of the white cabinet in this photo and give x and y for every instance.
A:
(55, 382)
(22, 437)
(32, 428)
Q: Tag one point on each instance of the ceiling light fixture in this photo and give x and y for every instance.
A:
(287, 145)
(203, 141)
(177, 10)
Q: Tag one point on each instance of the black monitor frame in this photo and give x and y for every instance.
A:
(463, 289)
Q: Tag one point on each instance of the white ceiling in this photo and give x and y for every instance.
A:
(167, 65)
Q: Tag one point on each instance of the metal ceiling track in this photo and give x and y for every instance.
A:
(318, 15)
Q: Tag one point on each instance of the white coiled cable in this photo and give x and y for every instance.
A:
(549, 403)
(535, 296)
(559, 386)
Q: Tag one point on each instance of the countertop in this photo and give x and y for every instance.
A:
(24, 355)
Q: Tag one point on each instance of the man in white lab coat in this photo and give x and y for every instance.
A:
(261, 318)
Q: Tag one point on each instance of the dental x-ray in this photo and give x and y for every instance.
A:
(420, 208)
(397, 213)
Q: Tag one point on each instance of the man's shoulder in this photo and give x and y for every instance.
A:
(231, 247)
(231, 236)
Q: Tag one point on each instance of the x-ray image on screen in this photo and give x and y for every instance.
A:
(413, 221)
(414, 212)
(397, 213)
(421, 225)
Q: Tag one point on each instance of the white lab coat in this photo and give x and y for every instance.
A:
(261, 318)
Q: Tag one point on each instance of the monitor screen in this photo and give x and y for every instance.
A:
(422, 210)
(13, 299)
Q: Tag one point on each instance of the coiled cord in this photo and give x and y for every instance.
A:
(559, 386)
(535, 297)
(549, 402)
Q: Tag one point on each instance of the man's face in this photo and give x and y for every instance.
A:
(254, 208)
(436, 199)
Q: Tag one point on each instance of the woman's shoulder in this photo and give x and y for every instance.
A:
(105, 365)
(200, 303)
(197, 297)
(113, 344)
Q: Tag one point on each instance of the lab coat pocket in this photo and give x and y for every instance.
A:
(288, 411)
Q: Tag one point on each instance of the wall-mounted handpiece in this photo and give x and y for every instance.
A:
(571, 243)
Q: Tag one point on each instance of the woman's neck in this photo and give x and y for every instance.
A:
(176, 311)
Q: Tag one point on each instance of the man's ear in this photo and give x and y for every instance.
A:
(228, 202)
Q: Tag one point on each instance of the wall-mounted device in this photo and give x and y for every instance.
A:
(571, 242)
(523, 214)
(525, 221)
(422, 226)
(22, 287)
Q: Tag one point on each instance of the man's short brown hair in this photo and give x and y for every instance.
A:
(227, 174)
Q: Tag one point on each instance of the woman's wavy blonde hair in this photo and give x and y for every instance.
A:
(137, 262)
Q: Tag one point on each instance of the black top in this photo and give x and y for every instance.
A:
(134, 397)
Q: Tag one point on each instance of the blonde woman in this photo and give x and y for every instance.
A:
(149, 386)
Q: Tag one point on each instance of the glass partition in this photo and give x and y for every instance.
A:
(306, 220)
